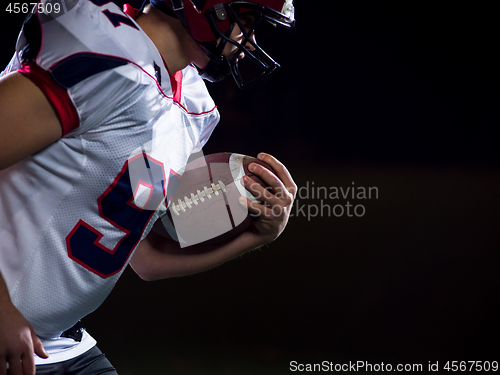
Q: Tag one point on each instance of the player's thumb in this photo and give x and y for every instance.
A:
(38, 346)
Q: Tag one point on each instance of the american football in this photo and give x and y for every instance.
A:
(205, 207)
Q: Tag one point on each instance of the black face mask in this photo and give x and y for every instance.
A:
(257, 66)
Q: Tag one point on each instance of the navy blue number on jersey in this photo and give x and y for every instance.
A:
(118, 19)
(117, 205)
(115, 18)
(141, 178)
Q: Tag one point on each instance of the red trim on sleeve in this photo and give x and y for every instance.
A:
(130, 10)
(55, 94)
(176, 83)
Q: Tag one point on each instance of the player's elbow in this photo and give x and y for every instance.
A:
(153, 275)
(146, 276)
(148, 264)
(144, 272)
(152, 271)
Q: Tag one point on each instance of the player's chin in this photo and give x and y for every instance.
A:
(237, 55)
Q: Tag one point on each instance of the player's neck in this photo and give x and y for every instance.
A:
(171, 39)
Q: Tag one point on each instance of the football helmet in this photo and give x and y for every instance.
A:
(210, 23)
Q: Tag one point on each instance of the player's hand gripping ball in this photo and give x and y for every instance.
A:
(205, 205)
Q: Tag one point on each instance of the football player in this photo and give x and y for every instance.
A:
(98, 106)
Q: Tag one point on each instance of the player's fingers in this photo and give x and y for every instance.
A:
(28, 364)
(266, 209)
(15, 367)
(38, 346)
(260, 193)
(266, 175)
(280, 170)
(29, 358)
(256, 209)
(280, 191)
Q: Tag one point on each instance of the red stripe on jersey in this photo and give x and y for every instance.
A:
(130, 10)
(176, 83)
(55, 94)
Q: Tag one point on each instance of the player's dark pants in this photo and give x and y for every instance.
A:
(92, 362)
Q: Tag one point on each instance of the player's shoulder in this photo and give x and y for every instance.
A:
(196, 98)
(86, 31)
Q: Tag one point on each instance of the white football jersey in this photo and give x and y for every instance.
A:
(72, 214)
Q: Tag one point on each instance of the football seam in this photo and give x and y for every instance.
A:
(188, 202)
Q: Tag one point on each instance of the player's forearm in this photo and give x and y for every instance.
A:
(157, 258)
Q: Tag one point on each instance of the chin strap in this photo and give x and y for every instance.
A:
(217, 68)
(178, 8)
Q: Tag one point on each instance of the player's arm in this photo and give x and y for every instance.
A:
(157, 257)
(18, 340)
(27, 125)
(28, 122)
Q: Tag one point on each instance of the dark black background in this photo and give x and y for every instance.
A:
(398, 96)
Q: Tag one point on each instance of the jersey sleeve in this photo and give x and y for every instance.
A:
(58, 97)
(80, 61)
(199, 105)
(205, 135)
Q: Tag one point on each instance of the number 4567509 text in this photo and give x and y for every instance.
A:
(25, 8)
